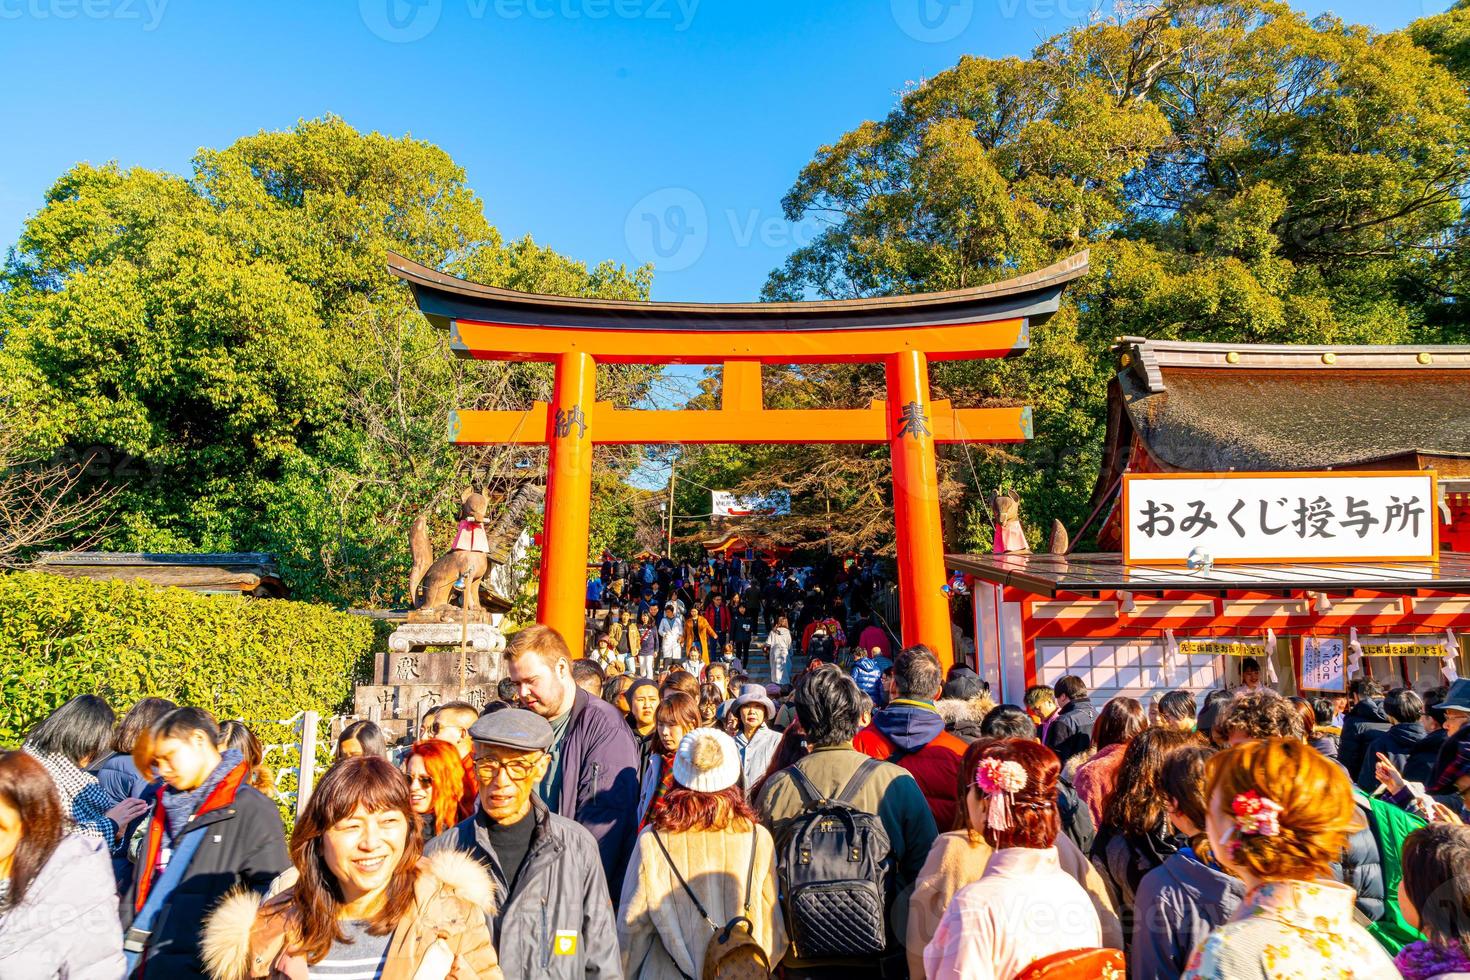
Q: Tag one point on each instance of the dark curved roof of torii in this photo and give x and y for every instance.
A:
(444, 298)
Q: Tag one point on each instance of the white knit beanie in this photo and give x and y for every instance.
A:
(707, 761)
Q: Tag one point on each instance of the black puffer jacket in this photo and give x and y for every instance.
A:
(1071, 732)
(1075, 816)
(243, 845)
(1362, 866)
(1365, 721)
(1123, 859)
(1409, 747)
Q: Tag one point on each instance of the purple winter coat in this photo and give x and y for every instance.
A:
(599, 783)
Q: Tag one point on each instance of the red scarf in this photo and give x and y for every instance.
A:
(665, 783)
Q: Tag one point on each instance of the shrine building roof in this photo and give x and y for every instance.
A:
(248, 573)
(1198, 407)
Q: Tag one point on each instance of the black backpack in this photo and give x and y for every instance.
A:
(835, 865)
(821, 647)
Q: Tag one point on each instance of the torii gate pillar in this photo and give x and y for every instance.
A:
(564, 535)
(923, 604)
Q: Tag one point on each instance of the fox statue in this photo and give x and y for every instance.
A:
(433, 583)
(1010, 538)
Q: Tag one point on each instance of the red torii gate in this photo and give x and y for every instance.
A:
(902, 332)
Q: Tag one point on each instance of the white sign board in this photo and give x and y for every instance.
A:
(1322, 664)
(777, 503)
(1332, 517)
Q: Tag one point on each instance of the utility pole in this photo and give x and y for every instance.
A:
(669, 545)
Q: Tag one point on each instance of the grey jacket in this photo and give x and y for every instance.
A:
(1179, 903)
(558, 922)
(67, 924)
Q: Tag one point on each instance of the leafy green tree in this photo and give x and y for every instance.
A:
(1447, 37)
(1238, 170)
(233, 345)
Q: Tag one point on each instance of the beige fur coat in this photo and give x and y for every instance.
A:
(444, 937)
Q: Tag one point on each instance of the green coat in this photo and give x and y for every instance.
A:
(891, 793)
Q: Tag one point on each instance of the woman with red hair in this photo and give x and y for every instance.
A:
(703, 863)
(1024, 908)
(1278, 816)
(436, 787)
(959, 858)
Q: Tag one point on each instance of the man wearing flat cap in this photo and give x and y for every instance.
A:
(554, 917)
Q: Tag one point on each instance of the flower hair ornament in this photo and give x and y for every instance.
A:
(1255, 815)
(1000, 780)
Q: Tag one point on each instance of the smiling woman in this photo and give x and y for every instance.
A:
(362, 887)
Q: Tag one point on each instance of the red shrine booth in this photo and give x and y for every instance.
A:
(1304, 506)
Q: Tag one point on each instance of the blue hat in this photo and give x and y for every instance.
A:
(1457, 698)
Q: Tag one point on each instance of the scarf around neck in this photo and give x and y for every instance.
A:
(1423, 960)
(179, 806)
(665, 783)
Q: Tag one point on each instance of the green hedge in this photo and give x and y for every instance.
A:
(255, 659)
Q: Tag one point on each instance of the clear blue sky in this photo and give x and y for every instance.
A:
(583, 122)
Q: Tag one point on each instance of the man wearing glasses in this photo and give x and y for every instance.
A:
(554, 917)
(592, 775)
(452, 725)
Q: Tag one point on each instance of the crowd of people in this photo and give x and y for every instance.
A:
(593, 826)
(650, 614)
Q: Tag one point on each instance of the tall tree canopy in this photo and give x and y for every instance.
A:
(233, 347)
(1238, 170)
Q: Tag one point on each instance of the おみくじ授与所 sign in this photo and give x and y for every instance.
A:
(1331, 517)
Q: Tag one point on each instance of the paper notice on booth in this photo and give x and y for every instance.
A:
(1323, 662)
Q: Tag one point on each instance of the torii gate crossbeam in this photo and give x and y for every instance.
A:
(903, 333)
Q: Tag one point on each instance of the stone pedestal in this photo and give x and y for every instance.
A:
(428, 664)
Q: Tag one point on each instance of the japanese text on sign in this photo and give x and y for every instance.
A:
(777, 503)
(1222, 648)
(1322, 517)
(1403, 646)
(1322, 664)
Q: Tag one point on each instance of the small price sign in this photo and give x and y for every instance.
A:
(1323, 664)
